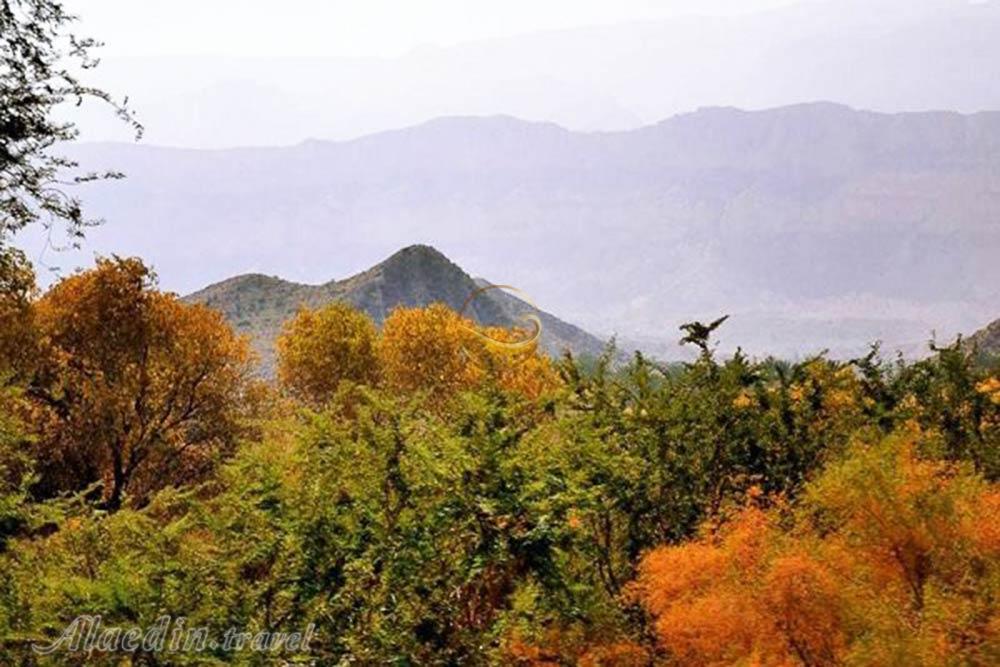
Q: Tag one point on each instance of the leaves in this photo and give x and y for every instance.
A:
(131, 387)
(319, 349)
(39, 58)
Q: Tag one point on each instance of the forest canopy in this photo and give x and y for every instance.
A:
(418, 497)
(411, 494)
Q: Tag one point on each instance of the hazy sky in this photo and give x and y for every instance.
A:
(355, 27)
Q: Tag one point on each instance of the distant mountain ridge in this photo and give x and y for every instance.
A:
(417, 275)
(891, 55)
(814, 225)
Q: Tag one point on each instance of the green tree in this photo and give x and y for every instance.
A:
(41, 61)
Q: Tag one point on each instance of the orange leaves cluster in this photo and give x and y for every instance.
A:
(991, 388)
(705, 595)
(436, 350)
(523, 371)
(132, 387)
(428, 349)
(890, 558)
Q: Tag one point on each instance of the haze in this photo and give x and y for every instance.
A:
(225, 74)
(379, 28)
(587, 139)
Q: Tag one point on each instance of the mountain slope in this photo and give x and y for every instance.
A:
(415, 276)
(814, 225)
(986, 341)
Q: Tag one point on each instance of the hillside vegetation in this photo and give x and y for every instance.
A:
(418, 493)
(418, 275)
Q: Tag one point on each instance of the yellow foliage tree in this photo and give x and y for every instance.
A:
(429, 349)
(523, 369)
(320, 348)
(435, 350)
(133, 387)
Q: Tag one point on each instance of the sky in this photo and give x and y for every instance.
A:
(356, 28)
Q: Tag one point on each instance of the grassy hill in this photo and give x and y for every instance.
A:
(418, 275)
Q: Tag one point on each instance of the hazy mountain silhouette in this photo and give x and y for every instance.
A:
(813, 225)
(890, 55)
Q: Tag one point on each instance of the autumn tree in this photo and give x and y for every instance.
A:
(133, 388)
(17, 290)
(320, 348)
(429, 349)
(887, 559)
(437, 351)
(510, 356)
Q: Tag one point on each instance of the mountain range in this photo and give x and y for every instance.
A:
(889, 55)
(418, 275)
(815, 225)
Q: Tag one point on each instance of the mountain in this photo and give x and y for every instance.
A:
(986, 341)
(890, 55)
(814, 225)
(418, 275)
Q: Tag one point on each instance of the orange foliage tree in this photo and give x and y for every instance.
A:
(890, 559)
(521, 369)
(320, 348)
(132, 387)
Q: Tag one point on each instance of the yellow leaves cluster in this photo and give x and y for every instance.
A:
(991, 388)
(743, 400)
(319, 349)
(430, 350)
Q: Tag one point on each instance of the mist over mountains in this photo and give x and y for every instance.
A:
(888, 55)
(816, 226)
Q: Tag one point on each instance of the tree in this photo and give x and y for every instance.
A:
(886, 559)
(318, 349)
(17, 289)
(132, 387)
(514, 366)
(40, 61)
(437, 351)
(429, 349)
